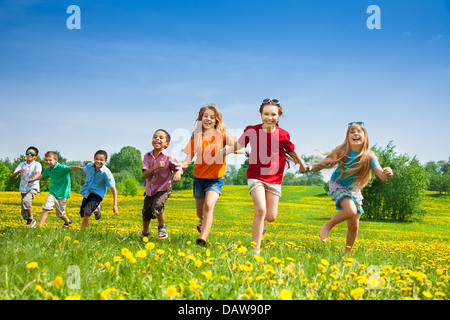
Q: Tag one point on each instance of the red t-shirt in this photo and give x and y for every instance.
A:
(268, 153)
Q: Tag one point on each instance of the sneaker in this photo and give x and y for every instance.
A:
(201, 242)
(31, 223)
(66, 224)
(98, 213)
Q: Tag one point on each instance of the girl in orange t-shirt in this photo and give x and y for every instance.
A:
(207, 142)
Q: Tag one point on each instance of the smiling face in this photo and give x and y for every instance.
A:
(159, 141)
(30, 155)
(270, 116)
(50, 161)
(99, 161)
(209, 119)
(357, 137)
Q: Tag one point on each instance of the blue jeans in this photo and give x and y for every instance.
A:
(203, 185)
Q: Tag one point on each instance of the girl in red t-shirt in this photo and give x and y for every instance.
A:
(270, 146)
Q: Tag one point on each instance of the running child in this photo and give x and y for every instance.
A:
(207, 141)
(59, 193)
(157, 168)
(270, 146)
(27, 170)
(354, 162)
(98, 179)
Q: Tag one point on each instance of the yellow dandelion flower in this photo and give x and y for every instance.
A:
(285, 294)
(171, 292)
(32, 265)
(207, 274)
(149, 245)
(58, 281)
(141, 254)
(357, 293)
(324, 262)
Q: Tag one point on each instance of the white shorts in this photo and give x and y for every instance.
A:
(57, 203)
(273, 188)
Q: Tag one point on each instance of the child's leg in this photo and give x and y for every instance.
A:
(271, 206)
(208, 211)
(352, 231)
(199, 203)
(160, 218)
(85, 220)
(145, 226)
(43, 217)
(258, 195)
(348, 211)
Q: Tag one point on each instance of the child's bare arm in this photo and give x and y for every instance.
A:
(114, 193)
(299, 160)
(73, 168)
(38, 176)
(383, 173)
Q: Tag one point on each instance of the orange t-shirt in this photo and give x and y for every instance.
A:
(209, 164)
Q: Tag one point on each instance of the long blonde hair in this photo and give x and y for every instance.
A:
(219, 126)
(219, 119)
(339, 155)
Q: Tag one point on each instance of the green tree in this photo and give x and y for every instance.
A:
(128, 187)
(187, 179)
(399, 198)
(127, 162)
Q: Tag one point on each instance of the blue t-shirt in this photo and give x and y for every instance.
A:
(346, 180)
(97, 182)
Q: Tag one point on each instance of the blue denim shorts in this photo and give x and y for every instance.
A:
(203, 185)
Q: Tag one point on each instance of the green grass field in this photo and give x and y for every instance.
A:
(108, 261)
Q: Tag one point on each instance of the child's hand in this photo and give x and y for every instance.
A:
(159, 164)
(184, 165)
(388, 172)
(177, 177)
(31, 180)
(23, 170)
(115, 210)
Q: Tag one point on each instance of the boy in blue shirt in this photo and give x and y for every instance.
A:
(98, 179)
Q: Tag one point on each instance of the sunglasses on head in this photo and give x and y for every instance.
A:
(276, 101)
(357, 122)
(30, 153)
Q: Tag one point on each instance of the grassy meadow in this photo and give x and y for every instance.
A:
(108, 260)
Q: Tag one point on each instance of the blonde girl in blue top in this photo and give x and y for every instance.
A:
(354, 161)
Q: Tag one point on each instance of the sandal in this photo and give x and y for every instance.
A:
(199, 225)
(162, 232)
(142, 236)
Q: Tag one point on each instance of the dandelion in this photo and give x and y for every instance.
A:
(66, 238)
(285, 294)
(357, 293)
(141, 254)
(172, 292)
(193, 285)
(160, 252)
(198, 263)
(207, 274)
(426, 294)
(149, 245)
(58, 281)
(117, 259)
(32, 265)
(324, 262)
(242, 249)
(39, 288)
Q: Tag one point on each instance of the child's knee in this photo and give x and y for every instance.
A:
(260, 213)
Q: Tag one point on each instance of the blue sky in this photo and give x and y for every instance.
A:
(136, 66)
